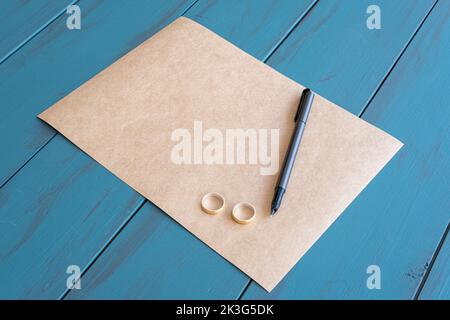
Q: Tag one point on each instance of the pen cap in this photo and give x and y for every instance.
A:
(304, 105)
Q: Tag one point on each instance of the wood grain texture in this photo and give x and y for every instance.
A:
(397, 222)
(437, 286)
(155, 258)
(103, 28)
(63, 207)
(44, 228)
(57, 61)
(105, 288)
(21, 20)
(324, 276)
(256, 26)
(335, 54)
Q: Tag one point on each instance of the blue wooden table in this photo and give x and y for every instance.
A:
(58, 207)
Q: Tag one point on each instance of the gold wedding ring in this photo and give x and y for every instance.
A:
(212, 203)
(243, 213)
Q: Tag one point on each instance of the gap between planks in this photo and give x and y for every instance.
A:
(435, 255)
(35, 33)
(402, 51)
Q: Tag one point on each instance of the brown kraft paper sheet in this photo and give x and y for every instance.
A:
(136, 116)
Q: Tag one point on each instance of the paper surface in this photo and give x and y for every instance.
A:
(128, 116)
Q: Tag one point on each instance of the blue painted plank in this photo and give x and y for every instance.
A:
(46, 84)
(43, 231)
(437, 285)
(63, 207)
(256, 26)
(105, 288)
(52, 45)
(336, 54)
(21, 20)
(400, 217)
(34, 78)
(154, 258)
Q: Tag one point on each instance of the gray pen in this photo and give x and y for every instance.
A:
(301, 116)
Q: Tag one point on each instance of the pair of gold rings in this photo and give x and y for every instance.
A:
(242, 212)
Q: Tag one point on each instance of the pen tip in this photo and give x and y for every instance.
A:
(272, 212)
